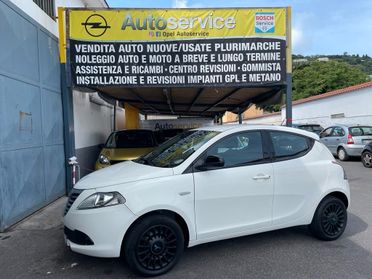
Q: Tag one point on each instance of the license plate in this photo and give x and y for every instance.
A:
(367, 141)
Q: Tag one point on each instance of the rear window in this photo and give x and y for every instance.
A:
(361, 131)
(131, 139)
(287, 145)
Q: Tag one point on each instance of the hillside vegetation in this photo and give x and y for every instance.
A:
(314, 77)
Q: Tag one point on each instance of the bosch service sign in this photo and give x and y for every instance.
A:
(264, 22)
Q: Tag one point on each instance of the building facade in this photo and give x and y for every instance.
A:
(32, 155)
(350, 105)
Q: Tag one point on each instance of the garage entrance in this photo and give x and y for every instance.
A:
(32, 168)
(182, 62)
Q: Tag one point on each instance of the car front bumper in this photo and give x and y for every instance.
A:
(97, 232)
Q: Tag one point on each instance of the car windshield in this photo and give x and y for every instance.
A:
(361, 131)
(176, 150)
(131, 139)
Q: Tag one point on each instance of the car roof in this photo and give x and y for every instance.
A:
(246, 127)
(347, 125)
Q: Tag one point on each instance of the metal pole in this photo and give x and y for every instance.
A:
(288, 101)
(67, 98)
(288, 95)
(240, 117)
(115, 105)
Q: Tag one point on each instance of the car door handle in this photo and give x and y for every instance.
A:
(184, 193)
(261, 176)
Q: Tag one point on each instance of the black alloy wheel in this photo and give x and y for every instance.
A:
(157, 247)
(333, 219)
(154, 245)
(330, 219)
(367, 159)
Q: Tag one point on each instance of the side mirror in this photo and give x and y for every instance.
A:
(101, 146)
(211, 162)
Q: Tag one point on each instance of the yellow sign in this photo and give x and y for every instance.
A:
(175, 24)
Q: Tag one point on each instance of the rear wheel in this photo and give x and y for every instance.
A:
(330, 219)
(367, 159)
(342, 155)
(154, 245)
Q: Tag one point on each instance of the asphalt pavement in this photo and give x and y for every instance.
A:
(35, 249)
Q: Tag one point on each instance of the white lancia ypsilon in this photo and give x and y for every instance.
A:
(205, 185)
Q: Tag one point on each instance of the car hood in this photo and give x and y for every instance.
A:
(121, 154)
(121, 173)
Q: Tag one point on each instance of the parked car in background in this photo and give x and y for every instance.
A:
(125, 145)
(367, 156)
(315, 128)
(205, 185)
(165, 134)
(346, 140)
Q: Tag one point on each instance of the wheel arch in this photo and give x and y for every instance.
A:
(339, 195)
(165, 212)
(339, 147)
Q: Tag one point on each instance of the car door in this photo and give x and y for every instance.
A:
(238, 196)
(325, 137)
(295, 177)
(336, 137)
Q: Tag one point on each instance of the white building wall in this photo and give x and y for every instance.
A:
(93, 122)
(356, 107)
(271, 119)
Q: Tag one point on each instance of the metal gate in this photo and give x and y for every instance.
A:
(32, 168)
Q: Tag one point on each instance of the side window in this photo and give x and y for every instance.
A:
(338, 132)
(239, 149)
(289, 145)
(326, 132)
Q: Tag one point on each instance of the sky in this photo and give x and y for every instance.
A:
(321, 27)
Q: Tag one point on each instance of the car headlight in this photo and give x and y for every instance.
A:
(103, 160)
(101, 200)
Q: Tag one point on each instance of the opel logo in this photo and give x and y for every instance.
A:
(96, 25)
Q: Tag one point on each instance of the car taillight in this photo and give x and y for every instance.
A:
(337, 163)
(350, 139)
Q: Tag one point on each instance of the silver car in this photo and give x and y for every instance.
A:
(346, 140)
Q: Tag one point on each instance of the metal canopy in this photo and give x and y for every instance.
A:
(203, 102)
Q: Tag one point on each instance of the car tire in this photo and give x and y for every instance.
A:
(330, 219)
(154, 245)
(367, 159)
(342, 155)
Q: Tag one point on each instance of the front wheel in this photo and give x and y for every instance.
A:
(330, 219)
(367, 159)
(154, 245)
(342, 155)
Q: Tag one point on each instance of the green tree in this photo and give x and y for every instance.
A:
(317, 77)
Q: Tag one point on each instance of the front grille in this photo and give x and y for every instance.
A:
(71, 198)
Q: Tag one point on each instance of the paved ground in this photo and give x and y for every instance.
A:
(35, 249)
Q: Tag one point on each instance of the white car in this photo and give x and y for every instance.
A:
(205, 185)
